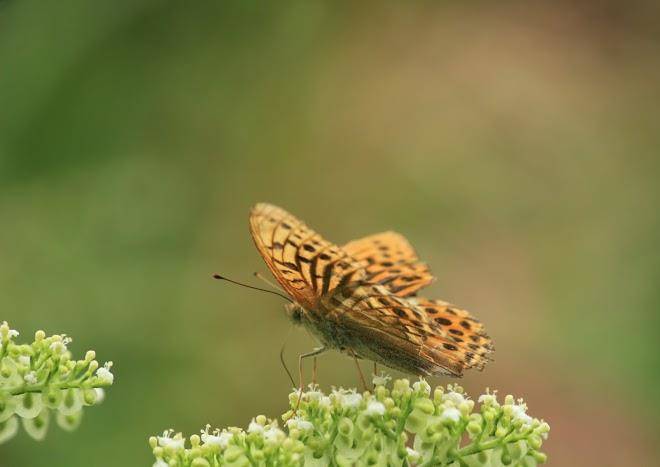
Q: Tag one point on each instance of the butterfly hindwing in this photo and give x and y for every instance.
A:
(409, 334)
(390, 260)
(467, 332)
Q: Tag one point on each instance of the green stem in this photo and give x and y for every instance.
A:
(42, 387)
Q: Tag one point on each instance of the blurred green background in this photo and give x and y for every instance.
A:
(515, 145)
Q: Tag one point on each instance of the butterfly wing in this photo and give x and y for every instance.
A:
(305, 264)
(391, 261)
(406, 334)
(467, 332)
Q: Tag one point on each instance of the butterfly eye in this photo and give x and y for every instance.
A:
(294, 312)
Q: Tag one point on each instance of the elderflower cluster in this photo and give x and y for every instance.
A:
(397, 425)
(39, 378)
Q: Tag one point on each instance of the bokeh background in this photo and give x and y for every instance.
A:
(516, 145)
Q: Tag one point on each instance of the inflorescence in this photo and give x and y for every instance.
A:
(395, 425)
(41, 377)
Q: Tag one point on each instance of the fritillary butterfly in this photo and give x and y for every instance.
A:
(361, 298)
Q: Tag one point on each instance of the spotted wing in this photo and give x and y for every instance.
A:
(466, 331)
(391, 261)
(418, 336)
(305, 264)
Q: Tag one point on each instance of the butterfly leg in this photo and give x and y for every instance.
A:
(314, 372)
(357, 364)
(375, 372)
(313, 353)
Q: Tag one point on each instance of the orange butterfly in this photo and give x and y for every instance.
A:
(360, 298)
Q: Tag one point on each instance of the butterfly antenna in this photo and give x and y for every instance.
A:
(223, 278)
(293, 383)
(262, 278)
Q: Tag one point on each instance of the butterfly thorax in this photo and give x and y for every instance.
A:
(317, 324)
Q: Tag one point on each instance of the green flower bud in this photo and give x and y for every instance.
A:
(28, 405)
(501, 431)
(72, 401)
(363, 422)
(402, 386)
(233, 453)
(8, 368)
(89, 396)
(93, 366)
(371, 458)
(517, 450)
(474, 428)
(535, 441)
(539, 457)
(69, 422)
(381, 392)
(345, 426)
(543, 428)
(416, 421)
(437, 395)
(7, 407)
(38, 426)
(200, 462)
(424, 405)
(489, 414)
(8, 429)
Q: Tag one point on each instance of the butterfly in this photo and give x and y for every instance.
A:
(361, 298)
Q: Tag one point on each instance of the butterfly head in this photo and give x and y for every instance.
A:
(295, 312)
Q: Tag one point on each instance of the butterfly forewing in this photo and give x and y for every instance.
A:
(390, 260)
(304, 263)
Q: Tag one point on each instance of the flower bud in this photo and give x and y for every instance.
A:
(474, 428)
(52, 398)
(345, 426)
(424, 405)
(38, 426)
(8, 429)
(28, 405)
(534, 441)
(71, 402)
(69, 422)
(89, 396)
(539, 457)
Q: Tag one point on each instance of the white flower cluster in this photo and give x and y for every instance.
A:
(41, 378)
(398, 424)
